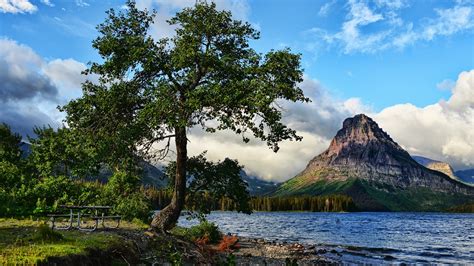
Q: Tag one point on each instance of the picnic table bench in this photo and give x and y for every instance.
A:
(95, 213)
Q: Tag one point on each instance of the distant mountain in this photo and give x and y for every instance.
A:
(439, 166)
(257, 186)
(466, 175)
(442, 167)
(364, 162)
(152, 176)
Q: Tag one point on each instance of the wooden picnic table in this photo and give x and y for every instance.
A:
(96, 213)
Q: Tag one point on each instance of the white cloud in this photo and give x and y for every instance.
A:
(66, 75)
(82, 3)
(442, 131)
(32, 87)
(167, 8)
(392, 4)
(449, 21)
(47, 2)
(324, 10)
(388, 29)
(446, 85)
(317, 122)
(17, 6)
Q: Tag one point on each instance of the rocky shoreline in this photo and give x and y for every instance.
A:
(248, 251)
(254, 251)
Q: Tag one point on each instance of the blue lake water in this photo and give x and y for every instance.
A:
(362, 237)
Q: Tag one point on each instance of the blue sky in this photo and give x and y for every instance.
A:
(380, 76)
(376, 56)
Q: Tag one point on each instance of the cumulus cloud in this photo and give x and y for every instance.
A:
(442, 131)
(31, 87)
(317, 122)
(372, 26)
(20, 73)
(66, 74)
(17, 6)
(167, 8)
(23, 117)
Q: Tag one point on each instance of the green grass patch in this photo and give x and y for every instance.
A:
(30, 242)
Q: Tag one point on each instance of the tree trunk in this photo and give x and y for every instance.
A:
(167, 218)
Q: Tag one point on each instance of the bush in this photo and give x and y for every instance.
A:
(205, 230)
(45, 233)
(133, 206)
(10, 175)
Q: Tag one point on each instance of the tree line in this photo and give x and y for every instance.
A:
(330, 203)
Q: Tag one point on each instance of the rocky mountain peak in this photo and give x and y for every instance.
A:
(364, 162)
(361, 139)
(361, 129)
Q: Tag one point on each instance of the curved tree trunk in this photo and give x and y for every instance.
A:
(167, 218)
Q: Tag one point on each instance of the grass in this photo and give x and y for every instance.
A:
(27, 241)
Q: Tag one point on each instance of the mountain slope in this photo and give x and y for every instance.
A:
(257, 186)
(365, 163)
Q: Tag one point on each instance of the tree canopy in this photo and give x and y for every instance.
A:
(206, 75)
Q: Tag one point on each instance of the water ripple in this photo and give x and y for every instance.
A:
(363, 237)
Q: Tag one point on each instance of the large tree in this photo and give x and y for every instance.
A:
(206, 75)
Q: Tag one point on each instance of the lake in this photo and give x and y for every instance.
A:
(362, 237)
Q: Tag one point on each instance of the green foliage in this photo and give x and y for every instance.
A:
(62, 152)
(208, 182)
(176, 258)
(122, 192)
(10, 175)
(203, 229)
(9, 145)
(331, 203)
(122, 183)
(206, 75)
(230, 260)
(134, 206)
(45, 233)
(374, 196)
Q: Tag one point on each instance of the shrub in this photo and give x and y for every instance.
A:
(9, 175)
(205, 229)
(45, 233)
(133, 206)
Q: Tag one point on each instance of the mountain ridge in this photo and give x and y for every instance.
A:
(363, 161)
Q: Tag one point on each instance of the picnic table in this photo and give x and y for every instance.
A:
(95, 213)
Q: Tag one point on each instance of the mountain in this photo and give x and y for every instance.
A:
(152, 176)
(439, 166)
(364, 162)
(466, 175)
(442, 167)
(257, 186)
